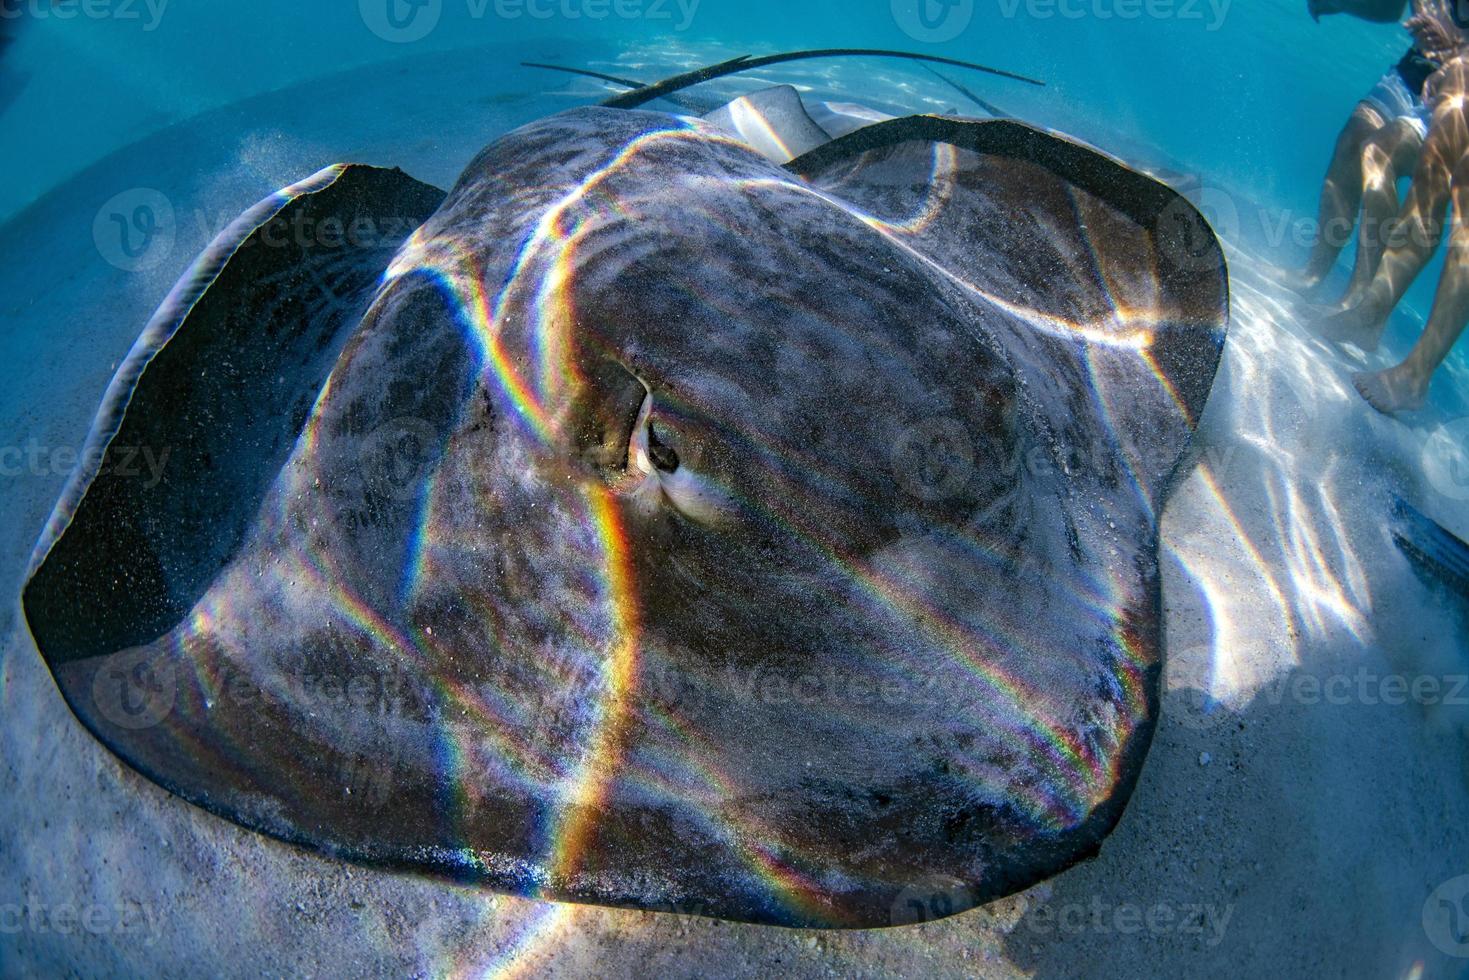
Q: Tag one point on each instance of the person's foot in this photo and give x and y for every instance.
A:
(1393, 390)
(1349, 326)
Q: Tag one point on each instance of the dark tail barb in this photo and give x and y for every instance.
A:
(689, 104)
(585, 73)
(1431, 548)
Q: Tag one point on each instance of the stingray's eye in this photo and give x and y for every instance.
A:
(664, 479)
(653, 448)
(659, 451)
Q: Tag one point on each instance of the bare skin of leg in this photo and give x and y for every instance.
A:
(1391, 153)
(1403, 388)
(1413, 239)
(1341, 197)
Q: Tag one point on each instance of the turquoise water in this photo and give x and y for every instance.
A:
(1244, 96)
(1254, 93)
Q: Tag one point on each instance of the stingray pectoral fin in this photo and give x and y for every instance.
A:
(842, 118)
(1106, 271)
(205, 410)
(773, 121)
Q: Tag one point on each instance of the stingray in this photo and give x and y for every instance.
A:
(753, 516)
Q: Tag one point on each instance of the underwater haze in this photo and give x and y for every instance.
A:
(1275, 783)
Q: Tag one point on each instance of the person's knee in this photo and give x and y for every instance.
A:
(1377, 164)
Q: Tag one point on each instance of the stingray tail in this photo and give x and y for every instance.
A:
(585, 73)
(641, 96)
(1431, 549)
(963, 90)
(691, 105)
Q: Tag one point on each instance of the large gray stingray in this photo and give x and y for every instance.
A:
(650, 523)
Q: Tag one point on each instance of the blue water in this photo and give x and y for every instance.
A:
(1248, 96)
(1254, 95)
